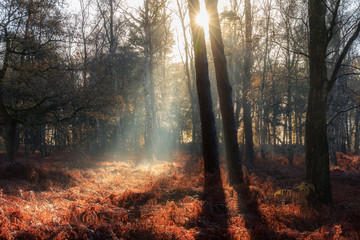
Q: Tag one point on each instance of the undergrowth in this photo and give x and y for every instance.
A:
(52, 199)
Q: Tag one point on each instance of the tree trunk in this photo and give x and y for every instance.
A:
(317, 150)
(237, 109)
(334, 102)
(196, 102)
(289, 111)
(233, 156)
(347, 132)
(274, 111)
(152, 94)
(26, 140)
(301, 131)
(207, 118)
(147, 85)
(188, 76)
(296, 111)
(357, 133)
(262, 87)
(289, 68)
(249, 145)
(10, 140)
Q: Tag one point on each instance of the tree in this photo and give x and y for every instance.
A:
(32, 67)
(249, 145)
(151, 34)
(263, 80)
(357, 131)
(233, 50)
(317, 149)
(207, 118)
(112, 29)
(190, 81)
(225, 94)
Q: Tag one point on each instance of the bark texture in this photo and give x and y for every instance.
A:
(249, 144)
(317, 150)
(10, 140)
(207, 118)
(225, 95)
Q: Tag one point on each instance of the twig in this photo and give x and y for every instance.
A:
(343, 111)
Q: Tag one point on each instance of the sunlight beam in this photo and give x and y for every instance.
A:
(202, 19)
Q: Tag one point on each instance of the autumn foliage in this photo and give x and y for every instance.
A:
(74, 196)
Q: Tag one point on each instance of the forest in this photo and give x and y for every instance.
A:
(179, 119)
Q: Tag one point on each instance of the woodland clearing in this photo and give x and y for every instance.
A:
(71, 196)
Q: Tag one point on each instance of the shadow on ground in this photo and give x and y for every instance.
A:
(28, 177)
(255, 222)
(213, 221)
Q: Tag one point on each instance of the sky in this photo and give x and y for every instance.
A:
(74, 7)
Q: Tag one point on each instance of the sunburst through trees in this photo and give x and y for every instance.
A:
(179, 119)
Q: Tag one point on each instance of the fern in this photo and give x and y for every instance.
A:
(296, 195)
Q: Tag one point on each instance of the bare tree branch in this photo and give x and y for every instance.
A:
(341, 112)
(346, 49)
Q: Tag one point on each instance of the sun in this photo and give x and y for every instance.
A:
(202, 19)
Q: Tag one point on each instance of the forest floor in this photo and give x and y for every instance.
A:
(71, 196)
